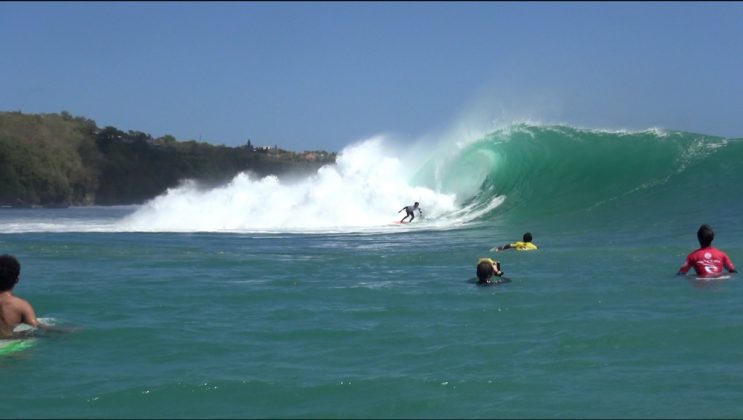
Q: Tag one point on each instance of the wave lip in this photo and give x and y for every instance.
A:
(553, 171)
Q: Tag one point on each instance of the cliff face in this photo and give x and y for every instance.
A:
(56, 160)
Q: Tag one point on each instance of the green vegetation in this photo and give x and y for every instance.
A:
(57, 160)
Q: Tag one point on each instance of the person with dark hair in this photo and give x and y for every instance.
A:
(707, 260)
(13, 310)
(524, 245)
(409, 212)
(486, 269)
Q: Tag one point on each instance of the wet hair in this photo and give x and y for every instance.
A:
(415, 204)
(527, 237)
(10, 269)
(705, 234)
(484, 270)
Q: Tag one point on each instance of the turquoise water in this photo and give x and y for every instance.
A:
(386, 322)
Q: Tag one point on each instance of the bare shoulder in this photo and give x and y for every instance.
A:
(13, 311)
(14, 302)
(23, 309)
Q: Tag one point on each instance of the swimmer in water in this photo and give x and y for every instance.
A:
(486, 269)
(707, 260)
(13, 309)
(524, 245)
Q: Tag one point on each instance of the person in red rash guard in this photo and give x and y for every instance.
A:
(707, 260)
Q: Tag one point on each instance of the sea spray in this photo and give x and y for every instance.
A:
(364, 188)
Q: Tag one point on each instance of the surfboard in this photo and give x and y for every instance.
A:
(722, 277)
(15, 345)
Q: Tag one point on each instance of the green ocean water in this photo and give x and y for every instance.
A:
(385, 321)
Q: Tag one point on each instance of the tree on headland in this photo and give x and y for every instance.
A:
(62, 160)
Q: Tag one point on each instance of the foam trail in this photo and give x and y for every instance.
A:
(364, 189)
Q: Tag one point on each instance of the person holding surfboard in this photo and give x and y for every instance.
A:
(410, 212)
(13, 310)
(707, 260)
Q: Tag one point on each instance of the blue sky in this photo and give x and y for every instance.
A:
(311, 76)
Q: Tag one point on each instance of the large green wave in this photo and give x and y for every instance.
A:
(561, 171)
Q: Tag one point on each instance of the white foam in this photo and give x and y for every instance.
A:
(363, 191)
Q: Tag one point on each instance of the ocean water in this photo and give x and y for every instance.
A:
(270, 298)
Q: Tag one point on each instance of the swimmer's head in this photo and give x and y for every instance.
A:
(484, 271)
(486, 268)
(527, 237)
(10, 269)
(415, 204)
(705, 234)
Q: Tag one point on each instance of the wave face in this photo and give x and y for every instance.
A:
(516, 174)
(558, 171)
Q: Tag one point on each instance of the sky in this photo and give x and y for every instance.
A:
(323, 75)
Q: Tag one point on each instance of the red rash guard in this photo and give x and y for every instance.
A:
(707, 262)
